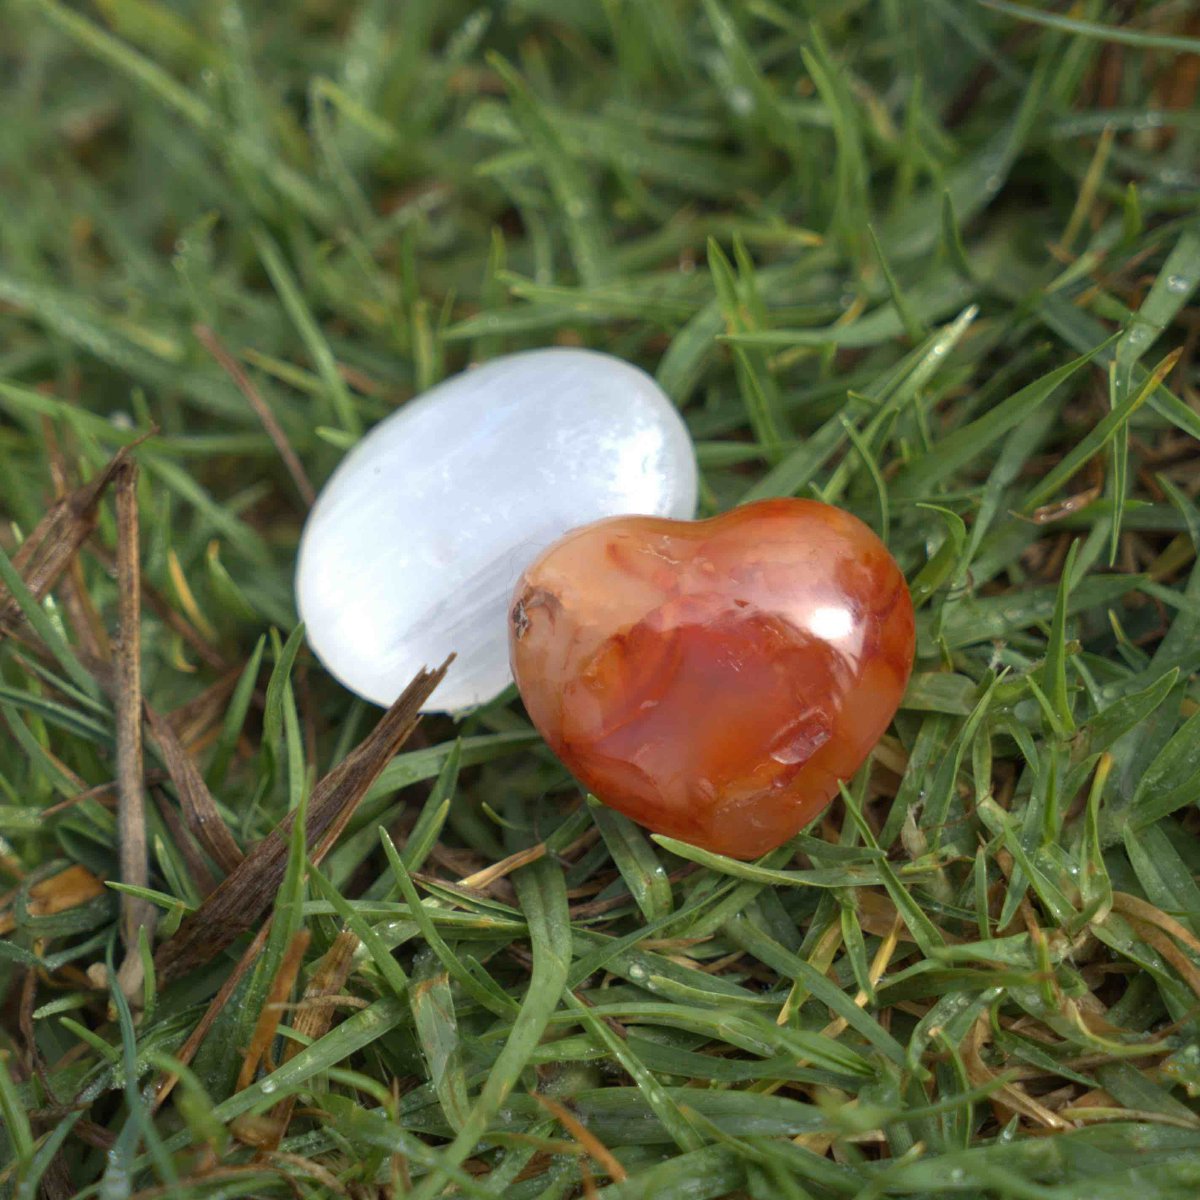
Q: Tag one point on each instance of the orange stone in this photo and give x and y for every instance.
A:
(715, 680)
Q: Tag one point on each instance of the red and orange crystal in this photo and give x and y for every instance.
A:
(715, 680)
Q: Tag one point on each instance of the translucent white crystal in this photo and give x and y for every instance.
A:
(415, 543)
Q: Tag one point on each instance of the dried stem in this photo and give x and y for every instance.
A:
(136, 914)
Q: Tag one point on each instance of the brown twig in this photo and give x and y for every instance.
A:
(209, 340)
(136, 914)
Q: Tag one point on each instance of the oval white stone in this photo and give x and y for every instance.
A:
(415, 544)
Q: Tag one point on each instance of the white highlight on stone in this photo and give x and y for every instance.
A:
(415, 544)
(831, 624)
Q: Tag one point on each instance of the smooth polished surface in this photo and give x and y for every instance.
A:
(714, 680)
(414, 545)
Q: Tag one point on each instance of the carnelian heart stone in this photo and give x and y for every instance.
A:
(715, 680)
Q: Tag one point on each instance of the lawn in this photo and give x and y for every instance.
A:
(930, 261)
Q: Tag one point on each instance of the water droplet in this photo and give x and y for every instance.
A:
(637, 972)
(120, 420)
(957, 1175)
(268, 1086)
(741, 101)
(1177, 284)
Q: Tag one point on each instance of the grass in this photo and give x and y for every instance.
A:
(933, 263)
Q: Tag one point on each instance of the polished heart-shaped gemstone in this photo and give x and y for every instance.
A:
(715, 680)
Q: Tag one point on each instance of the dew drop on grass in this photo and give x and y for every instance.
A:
(741, 101)
(1177, 284)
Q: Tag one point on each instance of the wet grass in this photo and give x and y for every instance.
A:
(933, 263)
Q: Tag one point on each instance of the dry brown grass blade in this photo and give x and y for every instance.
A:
(480, 881)
(595, 1148)
(267, 1024)
(314, 1017)
(199, 808)
(1153, 936)
(246, 893)
(195, 862)
(187, 1051)
(209, 340)
(197, 723)
(66, 889)
(1009, 1098)
(55, 540)
(136, 914)
(1143, 910)
(304, 1166)
(80, 607)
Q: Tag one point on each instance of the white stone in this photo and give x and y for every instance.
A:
(416, 542)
